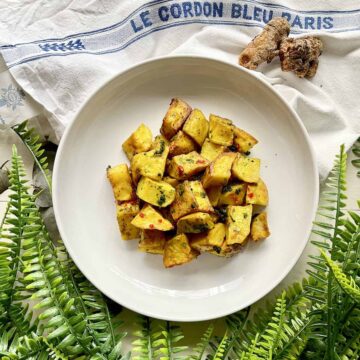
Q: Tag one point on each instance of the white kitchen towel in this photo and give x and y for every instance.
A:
(60, 52)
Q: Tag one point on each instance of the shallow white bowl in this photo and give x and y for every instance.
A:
(208, 287)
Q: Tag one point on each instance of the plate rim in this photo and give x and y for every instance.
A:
(56, 181)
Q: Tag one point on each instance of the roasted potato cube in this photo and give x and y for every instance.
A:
(243, 141)
(121, 182)
(175, 117)
(150, 219)
(139, 141)
(219, 171)
(196, 126)
(257, 194)
(259, 227)
(178, 251)
(238, 223)
(151, 163)
(152, 241)
(213, 194)
(221, 130)
(232, 194)
(190, 197)
(207, 241)
(246, 169)
(173, 182)
(210, 151)
(195, 223)
(158, 193)
(181, 144)
(125, 213)
(183, 166)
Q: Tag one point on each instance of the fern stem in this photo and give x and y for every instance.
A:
(330, 341)
(149, 340)
(111, 328)
(16, 166)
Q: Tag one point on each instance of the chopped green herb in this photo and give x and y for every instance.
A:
(203, 194)
(237, 191)
(217, 249)
(247, 153)
(245, 216)
(221, 212)
(161, 200)
(226, 188)
(161, 149)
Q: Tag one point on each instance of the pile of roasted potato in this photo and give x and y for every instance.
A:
(191, 189)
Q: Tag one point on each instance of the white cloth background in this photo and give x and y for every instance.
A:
(61, 52)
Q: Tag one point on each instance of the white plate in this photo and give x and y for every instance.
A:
(208, 287)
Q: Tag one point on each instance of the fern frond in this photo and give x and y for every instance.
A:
(220, 351)
(321, 288)
(166, 343)
(31, 141)
(16, 227)
(200, 348)
(346, 283)
(27, 347)
(143, 345)
(91, 303)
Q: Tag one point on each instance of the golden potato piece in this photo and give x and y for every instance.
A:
(221, 130)
(121, 182)
(152, 241)
(210, 151)
(213, 194)
(176, 115)
(257, 194)
(158, 193)
(173, 182)
(195, 223)
(243, 141)
(259, 227)
(238, 223)
(139, 141)
(151, 163)
(190, 197)
(196, 126)
(149, 219)
(219, 171)
(125, 213)
(181, 144)
(183, 166)
(246, 169)
(178, 251)
(208, 240)
(232, 194)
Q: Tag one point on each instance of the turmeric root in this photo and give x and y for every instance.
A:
(265, 46)
(300, 55)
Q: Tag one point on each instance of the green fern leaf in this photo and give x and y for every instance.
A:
(346, 283)
(201, 346)
(31, 141)
(166, 343)
(143, 345)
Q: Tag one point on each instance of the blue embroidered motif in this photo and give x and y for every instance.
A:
(12, 97)
(69, 46)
